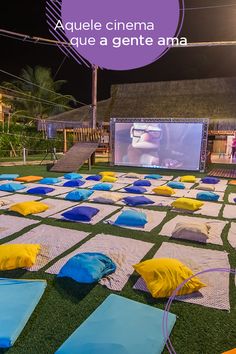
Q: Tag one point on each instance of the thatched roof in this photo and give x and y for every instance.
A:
(204, 98)
(83, 114)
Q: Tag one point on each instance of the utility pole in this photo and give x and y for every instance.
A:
(94, 95)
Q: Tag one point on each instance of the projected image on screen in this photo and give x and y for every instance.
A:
(164, 145)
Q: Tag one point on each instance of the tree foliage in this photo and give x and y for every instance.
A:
(37, 94)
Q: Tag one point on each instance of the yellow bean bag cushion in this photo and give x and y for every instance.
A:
(30, 207)
(107, 173)
(18, 256)
(191, 179)
(187, 204)
(28, 179)
(232, 182)
(163, 190)
(109, 179)
(163, 275)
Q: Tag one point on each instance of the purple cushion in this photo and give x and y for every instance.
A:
(210, 180)
(74, 183)
(40, 190)
(142, 182)
(81, 213)
(139, 200)
(135, 189)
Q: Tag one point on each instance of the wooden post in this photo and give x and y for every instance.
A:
(24, 156)
(65, 141)
(94, 103)
(94, 96)
(8, 122)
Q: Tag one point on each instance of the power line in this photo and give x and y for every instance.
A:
(32, 100)
(33, 84)
(197, 44)
(29, 137)
(48, 119)
(207, 7)
(30, 96)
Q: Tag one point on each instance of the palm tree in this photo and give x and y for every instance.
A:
(37, 95)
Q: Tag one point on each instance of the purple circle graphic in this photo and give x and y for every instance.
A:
(165, 332)
(121, 35)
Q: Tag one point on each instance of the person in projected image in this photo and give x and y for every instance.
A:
(149, 147)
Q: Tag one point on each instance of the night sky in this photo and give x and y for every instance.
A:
(28, 17)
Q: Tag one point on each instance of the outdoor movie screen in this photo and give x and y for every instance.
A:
(171, 145)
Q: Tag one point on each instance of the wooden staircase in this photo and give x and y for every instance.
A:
(75, 157)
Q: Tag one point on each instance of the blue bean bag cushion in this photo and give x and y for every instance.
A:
(120, 326)
(131, 218)
(94, 178)
(176, 185)
(80, 213)
(8, 176)
(72, 175)
(74, 183)
(88, 267)
(210, 180)
(18, 299)
(139, 200)
(77, 195)
(153, 176)
(102, 187)
(208, 196)
(11, 187)
(142, 182)
(135, 189)
(40, 190)
(234, 200)
(50, 180)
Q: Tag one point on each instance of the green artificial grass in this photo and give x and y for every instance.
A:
(66, 304)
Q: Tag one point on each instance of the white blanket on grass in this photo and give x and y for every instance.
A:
(55, 206)
(123, 251)
(154, 218)
(57, 189)
(216, 293)
(3, 194)
(216, 227)
(231, 198)
(193, 194)
(18, 198)
(208, 209)
(157, 199)
(53, 240)
(11, 224)
(217, 187)
(229, 211)
(232, 235)
(104, 211)
(149, 190)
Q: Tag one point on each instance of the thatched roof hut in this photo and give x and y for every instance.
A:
(203, 98)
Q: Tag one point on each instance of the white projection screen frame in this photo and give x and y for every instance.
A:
(168, 143)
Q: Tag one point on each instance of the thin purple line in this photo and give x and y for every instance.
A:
(177, 31)
(171, 299)
(54, 4)
(49, 12)
(66, 48)
(64, 38)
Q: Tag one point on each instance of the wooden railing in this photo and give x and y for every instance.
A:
(88, 135)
